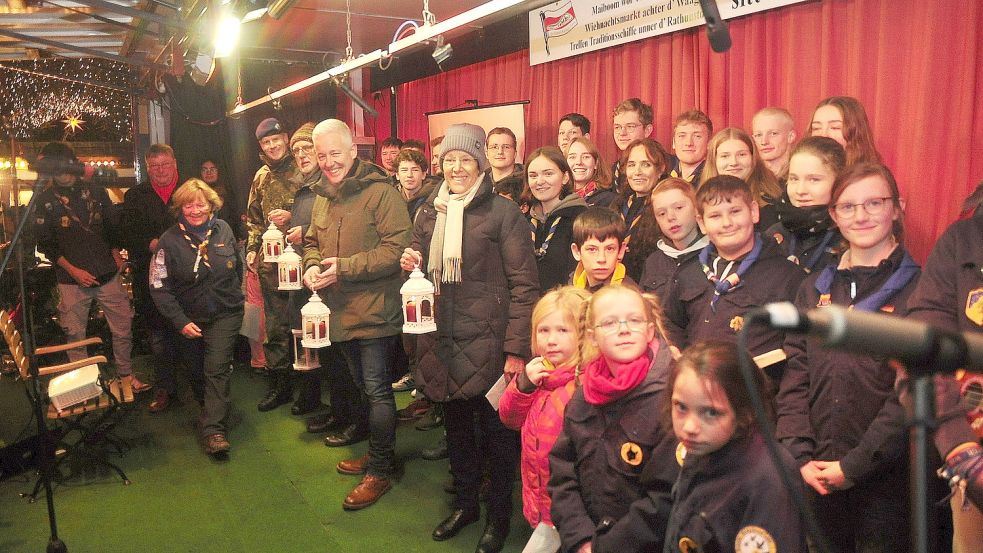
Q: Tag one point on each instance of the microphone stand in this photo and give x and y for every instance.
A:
(922, 427)
(34, 390)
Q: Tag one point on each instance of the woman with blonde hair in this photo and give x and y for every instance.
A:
(732, 152)
(195, 282)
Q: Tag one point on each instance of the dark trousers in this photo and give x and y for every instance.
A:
(475, 434)
(870, 517)
(276, 307)
(347, 402)
(370, 362)
(209, 361)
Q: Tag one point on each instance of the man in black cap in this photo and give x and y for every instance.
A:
(270, 199)
(74, 230)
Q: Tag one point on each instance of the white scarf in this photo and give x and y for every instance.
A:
(448, 234)
(672, 252)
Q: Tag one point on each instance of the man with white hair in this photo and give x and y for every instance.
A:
(773, 134)
(359, 229)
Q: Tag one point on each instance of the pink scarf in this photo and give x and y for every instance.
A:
(602, 385)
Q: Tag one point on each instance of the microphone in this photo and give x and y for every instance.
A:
(914, 342)
(61, 166)
(717, 32)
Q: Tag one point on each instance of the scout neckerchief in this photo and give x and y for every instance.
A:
(541, 250)
(89, 206)
(727, 280)
(894, 284)
(195, 243)
(588, 189)
(634, 219)
(810, 263)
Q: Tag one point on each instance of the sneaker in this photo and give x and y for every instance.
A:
(217, 445)
(404, 384)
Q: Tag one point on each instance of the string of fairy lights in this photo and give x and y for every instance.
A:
(61, 99)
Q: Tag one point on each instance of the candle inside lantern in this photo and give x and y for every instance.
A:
(411, 312)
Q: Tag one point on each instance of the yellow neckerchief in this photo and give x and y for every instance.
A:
(580, 276)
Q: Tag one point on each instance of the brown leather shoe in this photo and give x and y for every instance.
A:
(353, 467)
(160, 402)
(217, 445)
(367, 492)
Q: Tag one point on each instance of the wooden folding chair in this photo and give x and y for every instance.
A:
(83, 425)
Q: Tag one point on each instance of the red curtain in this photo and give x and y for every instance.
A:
(916, 66)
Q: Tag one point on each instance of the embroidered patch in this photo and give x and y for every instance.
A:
(229, 264)
(824, 301)
(779, 238)
(888, 308)
(974, 306)
(754, 539)
(65, 221)
(688, 545)
(631, 453)
(680, 453)
(737, 323)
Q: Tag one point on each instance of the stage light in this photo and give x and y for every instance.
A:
(226, 35)
(442, 52)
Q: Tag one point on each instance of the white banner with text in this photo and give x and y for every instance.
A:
(571, 27)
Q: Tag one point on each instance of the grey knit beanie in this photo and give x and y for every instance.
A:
(467, 138)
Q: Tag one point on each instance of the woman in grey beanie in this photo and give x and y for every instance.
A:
(477, 250)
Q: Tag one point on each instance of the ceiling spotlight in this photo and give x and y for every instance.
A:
(442, 52)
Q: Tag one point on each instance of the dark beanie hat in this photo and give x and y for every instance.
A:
(58, 150)
(268, 127)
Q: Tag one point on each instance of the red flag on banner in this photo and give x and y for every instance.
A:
(559, 21)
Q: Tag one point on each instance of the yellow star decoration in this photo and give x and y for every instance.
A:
(73, 123)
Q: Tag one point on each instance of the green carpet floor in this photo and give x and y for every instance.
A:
(279, 491)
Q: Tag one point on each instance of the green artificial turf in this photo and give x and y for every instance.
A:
(279, 491)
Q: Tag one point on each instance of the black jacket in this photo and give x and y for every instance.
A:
(143, 218)
(556, 263)
(689, 318)
(837, 406)
(82, 231)
(660, 270)
(811, 252)
(592, 485)
(217, 291)
(733, 500)
(486, 316)
(949, 293)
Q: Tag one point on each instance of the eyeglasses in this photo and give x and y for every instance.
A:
(613, 326)
(501, 147)
(873, 206)
(630, 128)
(306, 150)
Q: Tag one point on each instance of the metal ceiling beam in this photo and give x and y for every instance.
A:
(98, 17)
(81, 49)
(126, 10)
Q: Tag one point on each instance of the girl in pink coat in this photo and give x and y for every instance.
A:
(535, 400)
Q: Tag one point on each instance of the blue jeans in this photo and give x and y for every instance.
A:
(370, 362)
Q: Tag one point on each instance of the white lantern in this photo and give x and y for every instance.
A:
(315, 320)
(288, 270)
(418, 304)
(272, 244)
(305, 359)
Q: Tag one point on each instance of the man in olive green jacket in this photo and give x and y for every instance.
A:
(359, 229)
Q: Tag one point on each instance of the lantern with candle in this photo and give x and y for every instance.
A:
(272, 244)
(418, 300)
(315, 321)
(288, 270)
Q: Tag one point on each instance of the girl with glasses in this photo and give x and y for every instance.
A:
(838, 413)
(609, 436)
